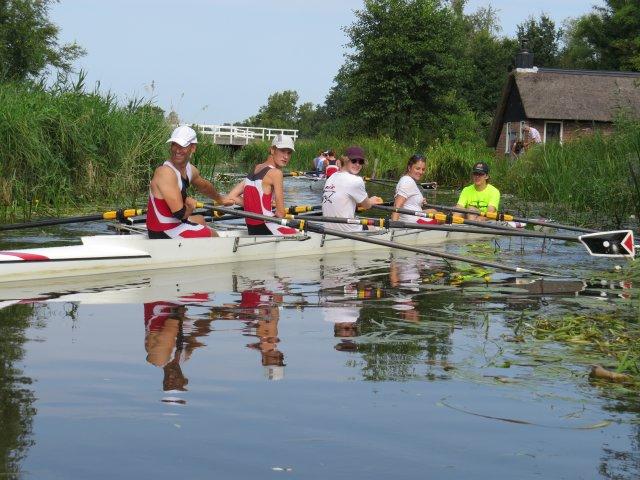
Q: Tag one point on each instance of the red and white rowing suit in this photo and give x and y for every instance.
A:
(331, 168)
(160, 221)
(256, 201)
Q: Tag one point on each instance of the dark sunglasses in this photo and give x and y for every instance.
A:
(357, 160)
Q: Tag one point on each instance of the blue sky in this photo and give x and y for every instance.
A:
(216, 61)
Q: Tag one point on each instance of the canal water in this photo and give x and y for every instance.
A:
(367, 366)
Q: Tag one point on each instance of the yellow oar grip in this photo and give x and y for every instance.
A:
(113, 214)
(303, 208)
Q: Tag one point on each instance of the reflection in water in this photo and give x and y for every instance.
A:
(368, 318)
(262, 305)
(16, 397)
(170, 339)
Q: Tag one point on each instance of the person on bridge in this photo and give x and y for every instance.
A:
(264, 186)
(169, 210)
(480, 196)
(345, 191)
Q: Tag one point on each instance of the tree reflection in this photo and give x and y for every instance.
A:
(16, 397)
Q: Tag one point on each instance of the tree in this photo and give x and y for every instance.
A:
(607, 39)
(490, 57)
(280, 111)
(28, 41)
(542, 39)
(406, 67)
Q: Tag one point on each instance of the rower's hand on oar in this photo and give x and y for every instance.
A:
(376, 200)
(228, 201)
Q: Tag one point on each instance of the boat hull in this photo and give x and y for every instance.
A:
(102, 254)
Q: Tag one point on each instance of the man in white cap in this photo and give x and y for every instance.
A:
(265, 185)
(169, 209)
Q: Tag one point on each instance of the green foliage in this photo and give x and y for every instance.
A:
(28, 41)
(449, 162)
(583, 175)
(607, 39)
(542, 39)
(282, 111)
(402, 78)
(62, 147)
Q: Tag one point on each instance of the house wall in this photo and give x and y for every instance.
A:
(571, 130)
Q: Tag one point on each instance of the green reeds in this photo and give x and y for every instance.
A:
(595, 175)
(63, 147)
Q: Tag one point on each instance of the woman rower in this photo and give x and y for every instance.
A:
(263, 186)
(408, 194)
(480, 196)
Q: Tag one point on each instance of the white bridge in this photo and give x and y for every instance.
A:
(239, 136)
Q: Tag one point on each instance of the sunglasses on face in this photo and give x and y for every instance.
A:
(357, 160)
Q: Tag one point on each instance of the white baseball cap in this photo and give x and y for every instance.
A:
(283, 141)
(183, 136)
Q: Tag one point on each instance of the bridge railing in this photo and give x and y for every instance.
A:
(238, 135)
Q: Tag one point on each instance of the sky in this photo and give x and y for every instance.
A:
(217, 61)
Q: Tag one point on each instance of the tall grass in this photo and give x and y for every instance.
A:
(63, 147)
(448, 163)
(597, 175)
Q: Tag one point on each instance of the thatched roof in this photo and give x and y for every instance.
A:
(554, 94)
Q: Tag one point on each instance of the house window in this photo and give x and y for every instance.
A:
(513, 133)
(552, 132)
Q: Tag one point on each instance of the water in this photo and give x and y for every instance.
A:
(373, 365)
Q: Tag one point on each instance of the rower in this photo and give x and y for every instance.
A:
(333, 165)
(169, 208)
(409, 194)
(345, 191)
(480, 196)
(264, 185)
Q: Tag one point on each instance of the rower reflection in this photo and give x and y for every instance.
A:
(263, 306)
(170, 339)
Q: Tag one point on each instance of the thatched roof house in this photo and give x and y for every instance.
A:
(561, 104)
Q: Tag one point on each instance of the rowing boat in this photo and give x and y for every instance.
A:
(102, 254)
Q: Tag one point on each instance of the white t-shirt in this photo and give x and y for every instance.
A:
(535, 135)
(408, 188)
(342, 193)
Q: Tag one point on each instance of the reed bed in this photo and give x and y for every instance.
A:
(597, 175)
(63, 148)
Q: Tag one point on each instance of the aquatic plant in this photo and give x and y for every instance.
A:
(604, 334)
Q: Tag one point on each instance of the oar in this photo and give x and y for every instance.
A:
(614, 239)
(302, 224)
(614, 243)
(510, 218)
(442, 217)
(110, 215)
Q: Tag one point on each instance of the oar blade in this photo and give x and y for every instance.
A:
(616, 244)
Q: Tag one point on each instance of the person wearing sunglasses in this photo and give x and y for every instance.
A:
(409, 194)
(480, 196)
(344, 191)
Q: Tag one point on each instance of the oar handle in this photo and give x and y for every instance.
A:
(302, 224)
(109, 215)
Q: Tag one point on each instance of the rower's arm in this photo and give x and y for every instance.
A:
(275, 178)
(235, 194)
(164, 186)
(398, 202)
(204, 186)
